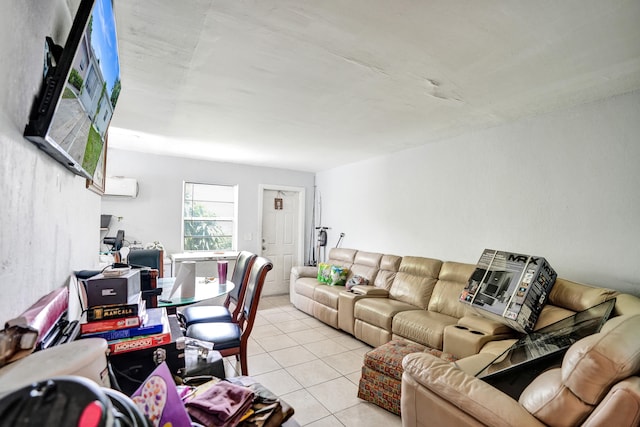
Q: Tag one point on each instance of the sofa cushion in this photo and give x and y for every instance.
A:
(422, 326)
(550, 314)
(594, 363)
(567, 298)
(415, 280)
(366, 264)
(436, 392)
(389, 266)
(589, 369)
(328, 295)
(341, 256)
(453, 277)
(379, 311)
(577, 297)
(626, 304)
(306, 286)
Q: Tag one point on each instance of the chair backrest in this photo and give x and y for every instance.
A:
(240, 276)
(257, 276)
(152, 258)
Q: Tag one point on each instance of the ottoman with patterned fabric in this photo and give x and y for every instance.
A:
(381, 379)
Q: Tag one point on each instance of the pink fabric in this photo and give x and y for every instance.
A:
(223, 404)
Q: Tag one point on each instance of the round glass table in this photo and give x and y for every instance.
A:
(206, 288)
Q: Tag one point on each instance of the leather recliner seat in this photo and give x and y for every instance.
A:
(597, 385)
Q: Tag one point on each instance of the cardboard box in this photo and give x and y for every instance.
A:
(509, 287)
(107, 290)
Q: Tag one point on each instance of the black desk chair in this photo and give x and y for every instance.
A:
(152, 258)
(232, 338)
(222, 313)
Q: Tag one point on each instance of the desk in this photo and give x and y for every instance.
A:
(204, 290)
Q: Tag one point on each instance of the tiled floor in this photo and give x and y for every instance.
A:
(313, 367)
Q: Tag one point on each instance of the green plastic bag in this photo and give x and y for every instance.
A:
(324, 272)
(338, 275)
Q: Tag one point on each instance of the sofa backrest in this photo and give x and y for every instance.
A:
(415, 280)
(576, 296)
(589, 369)
(445, 299)
(389, 266)
(626, 304)
(365, 264)
(567, 298)
(342, 257)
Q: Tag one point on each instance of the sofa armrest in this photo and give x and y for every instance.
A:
(471, 334)
(489, 353)
(486, 326)
(347, 301)
(454, 395)
(619, 406)
(303, 271)
(370, 291)
(475, 363)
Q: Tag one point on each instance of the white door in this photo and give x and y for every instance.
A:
(280, 237)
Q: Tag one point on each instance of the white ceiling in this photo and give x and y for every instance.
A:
(310, 85)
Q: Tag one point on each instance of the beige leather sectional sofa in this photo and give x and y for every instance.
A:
(596, 385)
(417, 299)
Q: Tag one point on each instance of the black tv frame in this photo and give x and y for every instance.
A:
(45, 105)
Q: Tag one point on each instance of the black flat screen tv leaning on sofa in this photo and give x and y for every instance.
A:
(70, 117)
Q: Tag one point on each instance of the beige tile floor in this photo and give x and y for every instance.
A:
(313, 367)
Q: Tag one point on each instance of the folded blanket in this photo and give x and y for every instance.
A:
(223, 404)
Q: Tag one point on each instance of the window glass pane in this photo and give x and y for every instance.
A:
(210, 209)
(208, 228)
(213, 192)
(188, 191)
(208, 216)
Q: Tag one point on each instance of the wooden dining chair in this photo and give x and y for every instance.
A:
(222, 313)
(232, 338)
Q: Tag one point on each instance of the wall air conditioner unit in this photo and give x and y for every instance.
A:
(121, 186)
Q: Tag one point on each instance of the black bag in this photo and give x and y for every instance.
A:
(202, 368)
(62, 401)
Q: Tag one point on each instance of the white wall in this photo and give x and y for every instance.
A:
(156, 213)
(563, 186)
(575, 203)
(49, 222)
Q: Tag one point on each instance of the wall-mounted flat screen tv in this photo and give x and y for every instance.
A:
(81, 86)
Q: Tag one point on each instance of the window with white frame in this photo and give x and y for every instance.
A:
(209, 217)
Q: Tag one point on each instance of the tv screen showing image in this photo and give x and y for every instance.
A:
(70, 117)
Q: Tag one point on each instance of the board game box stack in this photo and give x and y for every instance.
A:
(117, 312)
(104, 318)
(127, 327)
